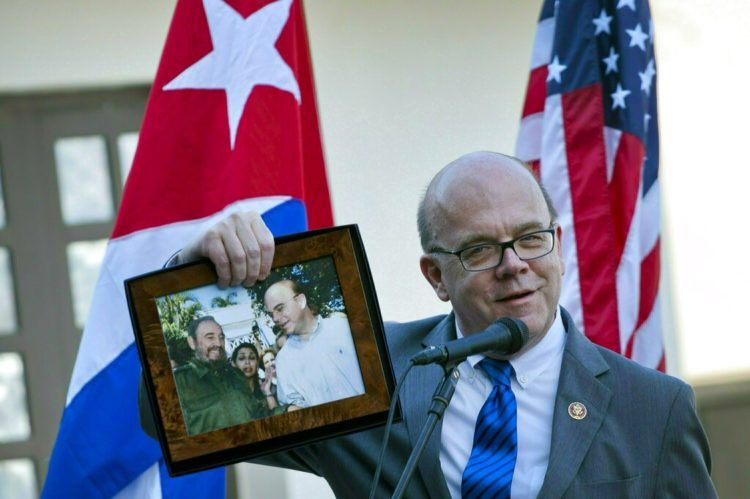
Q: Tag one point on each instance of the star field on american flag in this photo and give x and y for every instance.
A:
(590, 130)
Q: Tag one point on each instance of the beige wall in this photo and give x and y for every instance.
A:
(703, 77)
(80, 43)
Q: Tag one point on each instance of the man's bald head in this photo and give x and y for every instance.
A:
(470, 172)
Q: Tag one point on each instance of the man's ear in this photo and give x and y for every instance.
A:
(191, 342)
(434, 275)
(301, 299)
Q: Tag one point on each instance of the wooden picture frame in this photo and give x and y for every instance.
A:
(334, 257)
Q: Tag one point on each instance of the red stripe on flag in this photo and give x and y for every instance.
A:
(583, 124)
(650, 270)
(662, 364)
(536, 92)
(624, 187)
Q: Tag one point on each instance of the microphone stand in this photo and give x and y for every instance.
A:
(440, 400)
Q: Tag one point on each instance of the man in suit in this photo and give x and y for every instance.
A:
(577, 419)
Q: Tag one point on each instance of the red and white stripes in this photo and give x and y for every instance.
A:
(593, 174)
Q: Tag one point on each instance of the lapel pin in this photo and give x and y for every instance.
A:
(577, 410)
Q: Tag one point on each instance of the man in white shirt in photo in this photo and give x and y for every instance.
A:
(318, 363)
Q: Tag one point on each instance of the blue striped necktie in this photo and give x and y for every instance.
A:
(489, 471)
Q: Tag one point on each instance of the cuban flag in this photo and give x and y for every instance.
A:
(231, 125)
(590, 130)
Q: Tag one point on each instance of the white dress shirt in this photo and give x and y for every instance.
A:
(534, 386)
(320, 369)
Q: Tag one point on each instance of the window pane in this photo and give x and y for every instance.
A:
(14, 416)
(84, 260)
(2, 205)
(17, 478)
(83, 178)
(126, 144)
(8, 322)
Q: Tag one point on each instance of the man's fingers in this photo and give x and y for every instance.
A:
(266, 246)
(252, 253)
(241, 248)
(212, 246)
(258, 244)
(238, 260)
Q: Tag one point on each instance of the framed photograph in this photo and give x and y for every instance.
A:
(237, 373)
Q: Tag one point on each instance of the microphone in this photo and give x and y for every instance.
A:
(505, 335)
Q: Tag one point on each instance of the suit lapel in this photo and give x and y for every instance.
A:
(418, 390)
(579, 382)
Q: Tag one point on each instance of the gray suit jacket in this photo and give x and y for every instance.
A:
(640, 438)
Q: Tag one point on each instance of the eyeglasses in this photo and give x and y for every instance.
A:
(281, 307)
(487, 256)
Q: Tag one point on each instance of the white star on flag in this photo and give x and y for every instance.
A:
(602, 23)
(637, 37)
(626, 3)
(647, 77)
(243, 56)
(611, 61)
(555, 70)
(618, 97)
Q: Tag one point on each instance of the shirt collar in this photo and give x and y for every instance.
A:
(530, 364)
(294, 338)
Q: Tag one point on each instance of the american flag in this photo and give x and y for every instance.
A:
(590, 131)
